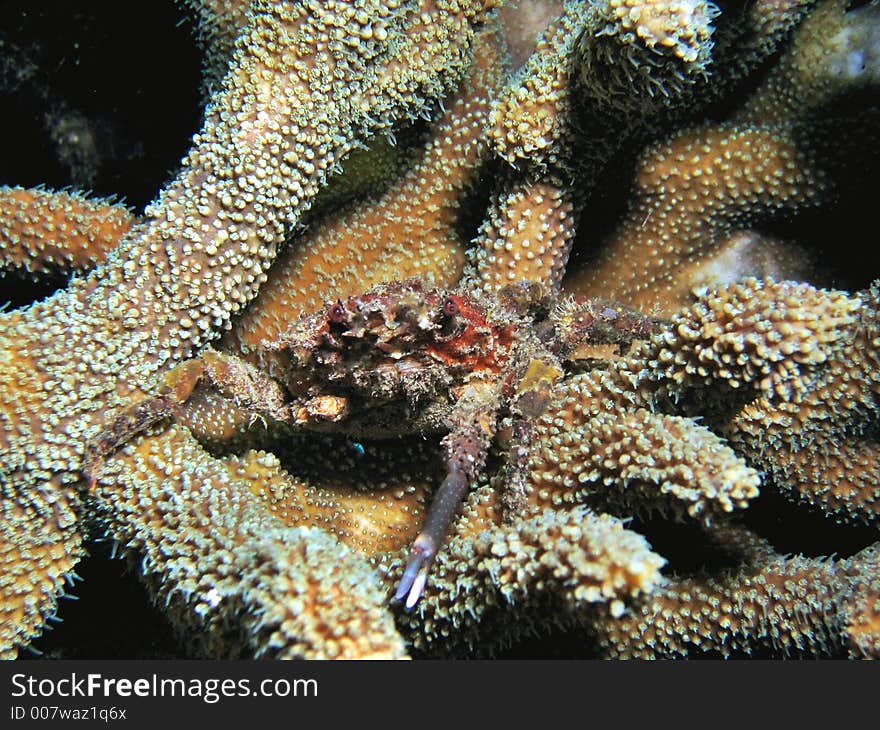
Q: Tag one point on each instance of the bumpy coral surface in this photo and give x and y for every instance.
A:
(630, 396)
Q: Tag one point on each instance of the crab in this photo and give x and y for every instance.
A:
(402, 359)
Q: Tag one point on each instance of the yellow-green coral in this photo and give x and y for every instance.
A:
(45, 232)
(287, 547)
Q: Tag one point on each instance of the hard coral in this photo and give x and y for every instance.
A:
(257, 542)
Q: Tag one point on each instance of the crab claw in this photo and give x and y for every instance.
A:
(415, 575)
(425, 546)
(466, 448)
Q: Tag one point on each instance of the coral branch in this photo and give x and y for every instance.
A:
(220, 559)
(44, 232)
(794, 606)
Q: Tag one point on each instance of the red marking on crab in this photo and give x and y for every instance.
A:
(481, 345)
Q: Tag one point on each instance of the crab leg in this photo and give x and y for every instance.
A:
(513, 497)
(424, 548)
(247, 386)
(176, 387)
(466, 449)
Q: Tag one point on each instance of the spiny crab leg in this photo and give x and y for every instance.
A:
(176, 387)
(466, 449)
(244, 384)
(424, 549)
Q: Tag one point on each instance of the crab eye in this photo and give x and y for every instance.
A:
(337, 313)
(450, 307)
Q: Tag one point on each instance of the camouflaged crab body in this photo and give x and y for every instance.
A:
(394, 360)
